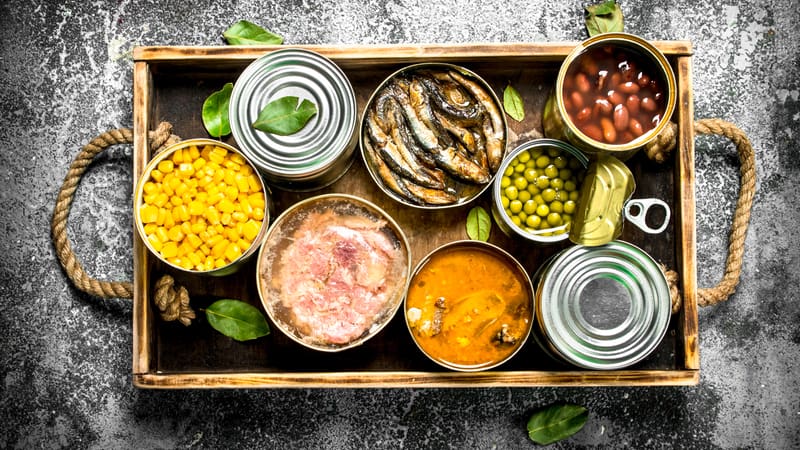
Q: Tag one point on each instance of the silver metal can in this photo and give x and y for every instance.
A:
(321, 152)
(605, 307)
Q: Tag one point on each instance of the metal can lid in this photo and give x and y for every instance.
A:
(306, 75)
(605, 307)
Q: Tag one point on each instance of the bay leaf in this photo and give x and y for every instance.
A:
(479, 224)
(215, 112)
(248, 33)
(556, 422)
(237, 319)
(604, 17)
(284, 116)
(512, 103)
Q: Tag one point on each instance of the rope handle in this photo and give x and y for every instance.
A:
(660, 148)
(159, 138)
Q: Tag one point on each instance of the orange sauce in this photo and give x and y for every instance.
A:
(469, 308)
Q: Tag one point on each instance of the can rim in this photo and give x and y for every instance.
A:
(641, 45)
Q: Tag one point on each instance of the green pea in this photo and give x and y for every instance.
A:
(524, 196)
(556, 207)
(569, 207)
(542, 161)
(574, 196)
(515, 206)
(533, 189)
(516, 221)
(557, 183)
(530, 163)
(542, 210)
(560, 161)
(521, 183)
(538, 199)
(569, 185)
(504, 201)
(519, 168)
(530, 174)
(505, 182)
(554, 219)
(553, 152)
(551, 171)
(511, 192)
(536, 153)
(549, 195)
(529, 207)
(524, 156)
(542, 182)
(509, 171)
(533, 221)
(522, 216)
(562, 196)
(564, 174)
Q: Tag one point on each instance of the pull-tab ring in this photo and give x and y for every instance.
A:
(639, 218)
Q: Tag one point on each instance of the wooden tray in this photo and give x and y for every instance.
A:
(171, 83)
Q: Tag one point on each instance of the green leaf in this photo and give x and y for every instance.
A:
(248, 33)
(284, 116)
(604, 18)
(479, 224)
(512, 102)
(556, 422)
(215, 112)
(237, 319)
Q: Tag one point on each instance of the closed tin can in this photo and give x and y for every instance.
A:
(604, 307)
(615, 92)
(318, 154)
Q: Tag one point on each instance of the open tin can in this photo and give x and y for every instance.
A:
(615, 92)
(605, 307)
(321, 152)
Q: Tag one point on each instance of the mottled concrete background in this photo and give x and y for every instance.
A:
(65, 358)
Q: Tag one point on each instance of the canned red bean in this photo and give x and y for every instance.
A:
(614, 93)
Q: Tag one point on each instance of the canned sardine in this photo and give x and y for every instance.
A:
(604, 307)
(320, 152)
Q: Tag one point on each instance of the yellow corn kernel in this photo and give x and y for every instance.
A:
(233, 252)
(244, 205)
(165, 166)
(204, 248)
(150, 228)
(154, 242)
(218, 175)
(175, 233)
(217, 156)
(225, 219)
(220, 228)
(209, 263)
(196, 208)
(150, 198)
(250, 229)
(256, 200)
(226, 206)
(211, 230)
(169, 249)
(237, 158)
(239, 216)
(219, 263)
(258, 214)
(156, 175)
(174, 183)
(186, 198)
(232, 166)
(194, 240)
(254, 183)
(230, 177)
(198, 164)
(232, 235)
(246, 170)
(214, 240)
(194, 153)
(181, 189)
(177, 157)
(215, 198)
(244, 244)
(161, 199)
(169, 221)
(195, 259)
(162, 216)
(218, 250)
(183, 212)
(206, 151)
(186, 228)
(175, 201)
(150, 187)
(148, 213)
(239, 227)
(186, 264)
(212, 214)
(241, 183)
(161, 234)
(184, 249)
(185, 170)
(231, 192)
(199, 226)
(204, 181)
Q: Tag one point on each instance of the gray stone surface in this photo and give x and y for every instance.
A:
(65, 357)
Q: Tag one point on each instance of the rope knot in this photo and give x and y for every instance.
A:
(173, 302)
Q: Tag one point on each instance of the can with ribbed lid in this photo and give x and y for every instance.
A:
(605, 307)
(319, 153)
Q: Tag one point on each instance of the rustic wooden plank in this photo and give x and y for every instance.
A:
(420, 379)
(687, 236)
(142, 101)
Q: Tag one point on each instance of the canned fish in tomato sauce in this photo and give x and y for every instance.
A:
(603, 308)
(318, 154)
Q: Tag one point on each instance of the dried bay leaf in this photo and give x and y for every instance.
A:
(284, 116)
(479, 224)
(556, 422)
(512, 103)
(248, 33)
(237, 319)
(215, 112)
